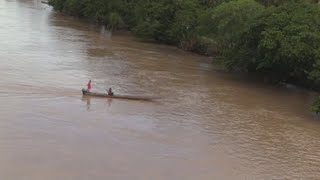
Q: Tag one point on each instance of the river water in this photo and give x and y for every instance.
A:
(207, 124)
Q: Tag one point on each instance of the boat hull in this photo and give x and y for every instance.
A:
(126, 97)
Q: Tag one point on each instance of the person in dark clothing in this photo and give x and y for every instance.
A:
(110, 93)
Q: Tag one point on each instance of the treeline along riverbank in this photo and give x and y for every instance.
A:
(277, 39)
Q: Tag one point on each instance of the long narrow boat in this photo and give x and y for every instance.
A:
(105, 95)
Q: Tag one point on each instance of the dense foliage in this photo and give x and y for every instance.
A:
(316, 105)
(279, 39)
(283, 43)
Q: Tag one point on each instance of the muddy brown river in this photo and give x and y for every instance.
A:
(207, 125)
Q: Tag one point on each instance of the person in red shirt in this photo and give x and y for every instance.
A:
(89, 85)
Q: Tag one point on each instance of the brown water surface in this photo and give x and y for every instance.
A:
(208, 124)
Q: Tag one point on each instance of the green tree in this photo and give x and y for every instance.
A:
(154, 19)
(281, 2)
(227, 21)
(184, 27)
(283, 44)
(316, 105)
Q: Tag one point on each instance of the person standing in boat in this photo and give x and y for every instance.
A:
(89, 86)
(110, 93)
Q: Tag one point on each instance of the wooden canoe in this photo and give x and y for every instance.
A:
(105, 95)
